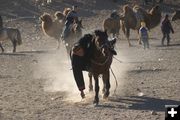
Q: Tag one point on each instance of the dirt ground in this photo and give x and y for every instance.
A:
(36, 83)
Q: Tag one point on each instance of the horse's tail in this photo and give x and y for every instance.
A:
(19, 39)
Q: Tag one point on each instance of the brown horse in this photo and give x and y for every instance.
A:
(11, 34)
(100, 63)
(176, 15)
(133, 17)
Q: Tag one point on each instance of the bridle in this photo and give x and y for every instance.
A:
(100, 48)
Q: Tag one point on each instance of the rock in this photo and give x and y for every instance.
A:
(140, 94)
(153, 113)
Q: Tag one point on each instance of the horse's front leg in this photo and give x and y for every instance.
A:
(14, 46)
(96, 98)
(90, 82)
(1, 47)
(106, 80)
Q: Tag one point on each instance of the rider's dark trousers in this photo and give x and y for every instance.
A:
(77, 67)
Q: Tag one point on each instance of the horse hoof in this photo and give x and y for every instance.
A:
(96, 102)
(106, 95)
(82, 95)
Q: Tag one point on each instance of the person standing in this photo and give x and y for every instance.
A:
(143, 34)
(166, 28)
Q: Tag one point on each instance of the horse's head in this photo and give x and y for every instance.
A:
(101, 42)
(176, 15)
(77, 26)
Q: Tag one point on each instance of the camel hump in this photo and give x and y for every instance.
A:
(126, 7)
(46, 17)
(140, 14)
(59, 15)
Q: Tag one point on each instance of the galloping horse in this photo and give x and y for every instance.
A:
(100, 61)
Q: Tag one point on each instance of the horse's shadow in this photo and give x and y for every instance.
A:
(25, 53)
(146, 103)
(147, 70)
(12, 54)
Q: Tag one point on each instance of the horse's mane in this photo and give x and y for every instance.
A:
(99, 32)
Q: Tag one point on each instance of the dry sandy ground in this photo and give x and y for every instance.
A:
(36, 83)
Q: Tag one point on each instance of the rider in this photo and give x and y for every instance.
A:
(70, 18)
(81, 59)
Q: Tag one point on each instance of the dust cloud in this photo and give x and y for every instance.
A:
(55, 68)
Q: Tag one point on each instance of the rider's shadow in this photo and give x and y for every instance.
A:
(146, 103)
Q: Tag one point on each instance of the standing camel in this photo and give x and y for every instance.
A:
(133, 17)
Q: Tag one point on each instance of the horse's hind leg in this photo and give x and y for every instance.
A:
(127, 36)
(107, 84)
(59, 43)
(104, 86)
(1, 47)
(14, 46)
(96, 98)
(90, 82)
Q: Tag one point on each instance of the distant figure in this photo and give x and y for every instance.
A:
(70, 18)
(143, 34)
(1, 22)
(166, 28)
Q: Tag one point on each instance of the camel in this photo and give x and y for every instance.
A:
(132, 18)
(50, 27)
(53, 28)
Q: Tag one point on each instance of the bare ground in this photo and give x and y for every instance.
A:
(36, 83)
